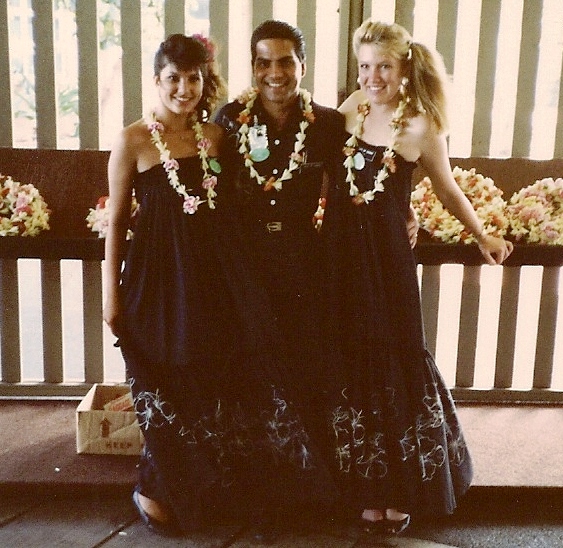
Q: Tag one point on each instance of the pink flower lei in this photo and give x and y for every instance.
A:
(171, 166)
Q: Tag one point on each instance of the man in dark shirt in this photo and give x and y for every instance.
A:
(280, 147)
(283, 146)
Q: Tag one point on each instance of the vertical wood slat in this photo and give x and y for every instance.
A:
(306, 21)
(527, 75)
(219, 31)
(430, 302)
(558, 152)
(468, 326)
(10, 359)
(131, 65)
(351, 17)
(404, 14)
(547, 328)
(507, 327)
(486, 68)
(6, 135)
(446, 34)
(174, 17)
(262, 10)
(44, 67)
(93, 327)
(52, 321)
(87, 42)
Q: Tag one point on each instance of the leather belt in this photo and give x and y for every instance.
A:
(274, 226)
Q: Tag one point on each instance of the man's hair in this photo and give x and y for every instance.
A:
(278, 30)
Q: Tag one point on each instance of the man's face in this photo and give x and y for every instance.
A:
(277, 71)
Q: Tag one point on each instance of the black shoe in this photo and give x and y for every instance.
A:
(370, 527)
(397, 526)
(163, 528)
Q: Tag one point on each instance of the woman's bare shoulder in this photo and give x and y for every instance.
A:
(349, 107)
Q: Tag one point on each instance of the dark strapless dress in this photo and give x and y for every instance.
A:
(204, 363)
(398, 442)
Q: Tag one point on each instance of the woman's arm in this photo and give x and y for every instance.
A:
(121, 170)
(435, 161)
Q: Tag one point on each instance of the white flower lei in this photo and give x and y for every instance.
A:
(295, 160)
(485, 197)
(535, 212)
(23, 211)
(171, 165)
(351, 150)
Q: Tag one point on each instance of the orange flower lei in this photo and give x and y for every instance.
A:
(351, 151)
(296, 159)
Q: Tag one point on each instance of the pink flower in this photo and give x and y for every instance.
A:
(204, 144)
(156, 126)
(22, 203)
(171, 164)
(210, 182)
(191, 204)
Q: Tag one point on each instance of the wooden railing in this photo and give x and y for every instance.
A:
(71, 182)
(432, 256)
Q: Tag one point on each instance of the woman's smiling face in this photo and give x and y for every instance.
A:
(179, 90)
(379, 74)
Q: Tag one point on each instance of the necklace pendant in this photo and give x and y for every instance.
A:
(258, 140)
(359, 161)
(259, 154)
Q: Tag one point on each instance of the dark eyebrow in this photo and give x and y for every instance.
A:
(286, 58)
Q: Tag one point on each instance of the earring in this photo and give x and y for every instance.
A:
(403, 86)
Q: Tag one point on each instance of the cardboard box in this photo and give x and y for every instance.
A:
(106, 432)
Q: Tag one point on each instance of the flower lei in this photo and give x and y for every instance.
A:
(485, 197)
(171, 166)
(296, 159)
(23, 211)
(535, 212)
(97, 219)
(354, 159)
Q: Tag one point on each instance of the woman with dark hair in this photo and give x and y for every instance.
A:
(194, 328)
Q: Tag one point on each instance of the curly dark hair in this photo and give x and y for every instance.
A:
(187, 53)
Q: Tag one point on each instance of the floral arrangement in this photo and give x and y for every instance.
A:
(481, 191)
(535, 213)
(98, 218)
(23, 211)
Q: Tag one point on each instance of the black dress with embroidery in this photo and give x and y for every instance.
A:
(398, 442)
(203, 363)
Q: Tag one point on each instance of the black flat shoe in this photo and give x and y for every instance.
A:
(378, 527)
(397, 526)
(163, 528)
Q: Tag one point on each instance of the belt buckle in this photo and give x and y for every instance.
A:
(274, 226)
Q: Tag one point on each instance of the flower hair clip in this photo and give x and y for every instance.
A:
(207, 44)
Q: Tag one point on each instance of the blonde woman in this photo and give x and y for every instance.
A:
(400, 448)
